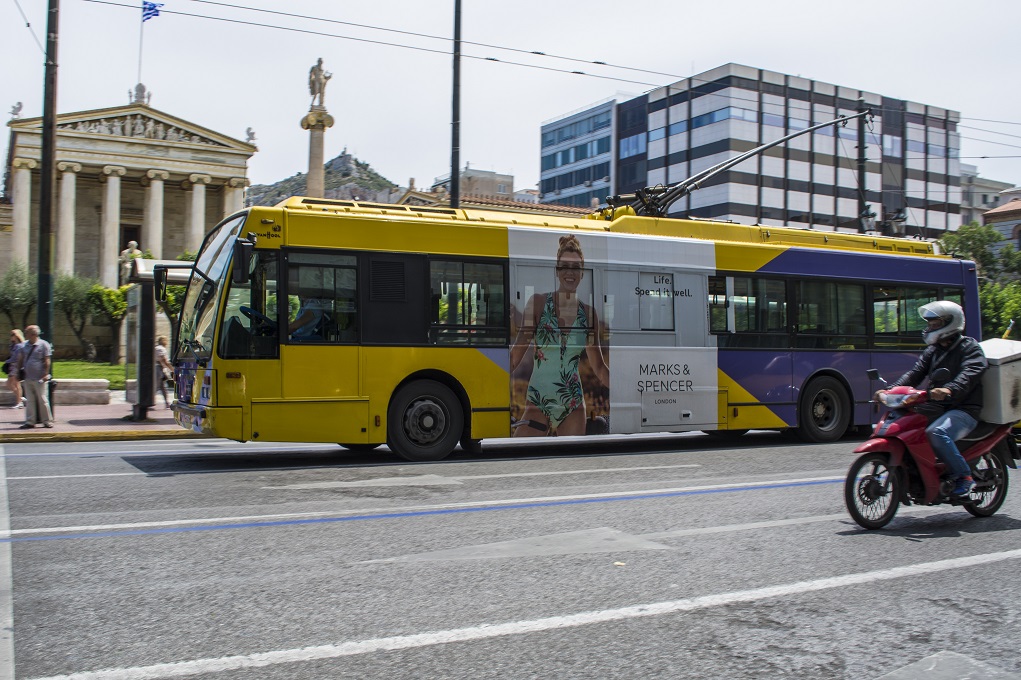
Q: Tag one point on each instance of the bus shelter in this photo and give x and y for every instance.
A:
(140, 328)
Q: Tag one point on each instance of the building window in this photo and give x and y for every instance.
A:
(632, 146)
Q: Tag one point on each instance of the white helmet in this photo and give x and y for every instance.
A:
(949, 312)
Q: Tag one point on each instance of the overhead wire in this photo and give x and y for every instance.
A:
(370, 41)
(730, 97)
(429, 36)
(28, 25)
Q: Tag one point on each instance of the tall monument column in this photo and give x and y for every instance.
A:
(316, 121)
(64, 261)
(22, 208)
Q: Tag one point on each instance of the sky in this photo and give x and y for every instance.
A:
(392, 103)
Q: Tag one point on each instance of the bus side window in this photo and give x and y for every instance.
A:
(322, 290)
(467, 303)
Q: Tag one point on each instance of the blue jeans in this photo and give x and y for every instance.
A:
(943, 431)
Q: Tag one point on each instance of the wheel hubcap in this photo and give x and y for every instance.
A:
(425, 422)
(823, 410)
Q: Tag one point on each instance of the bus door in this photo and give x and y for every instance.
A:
(320, 369)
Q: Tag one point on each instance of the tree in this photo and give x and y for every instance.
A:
(71, 296)
(975, 242)
(109, 306)
(17, 294)
(999, 302)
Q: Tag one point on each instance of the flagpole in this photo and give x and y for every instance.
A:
(141, 33)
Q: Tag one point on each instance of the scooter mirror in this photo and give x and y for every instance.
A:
(873, 374)
(940, 375)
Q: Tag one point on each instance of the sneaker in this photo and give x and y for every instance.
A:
(963, 487)
(47, 424)
(26, 426)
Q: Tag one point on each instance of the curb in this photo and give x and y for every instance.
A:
(98, 436)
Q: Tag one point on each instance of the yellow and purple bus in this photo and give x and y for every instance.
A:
(421, 328)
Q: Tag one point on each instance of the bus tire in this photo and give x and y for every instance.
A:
(824, 411)
(424, 421)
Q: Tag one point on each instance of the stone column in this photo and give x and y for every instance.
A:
(22, 208)
(234, 195)
(316, 122)
(152, 218)
(110, 231)
(197, 214)
(64, 262)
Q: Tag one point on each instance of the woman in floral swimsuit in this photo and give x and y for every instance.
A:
(562, 330)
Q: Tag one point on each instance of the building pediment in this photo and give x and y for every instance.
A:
(138, 122)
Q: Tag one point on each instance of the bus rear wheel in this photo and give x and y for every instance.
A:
(424, 421)
(824, 411)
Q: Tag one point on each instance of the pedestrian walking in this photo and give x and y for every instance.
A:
(33, 369)
(13, 384)
(164, 370)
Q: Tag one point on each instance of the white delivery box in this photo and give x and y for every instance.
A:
(1001, 383)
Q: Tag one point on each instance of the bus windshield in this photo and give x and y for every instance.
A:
(201, 301)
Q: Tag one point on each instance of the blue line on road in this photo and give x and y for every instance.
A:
(418, 513)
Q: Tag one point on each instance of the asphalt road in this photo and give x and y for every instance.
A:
(613, 558)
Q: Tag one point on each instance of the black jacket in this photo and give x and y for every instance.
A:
(966, 363)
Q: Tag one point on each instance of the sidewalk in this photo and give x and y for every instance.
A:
(93, 422)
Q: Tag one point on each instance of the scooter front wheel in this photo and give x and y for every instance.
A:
(872, 491)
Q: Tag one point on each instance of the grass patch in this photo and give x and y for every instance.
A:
(91, 371)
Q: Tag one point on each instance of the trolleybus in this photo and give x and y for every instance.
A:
(420, 328)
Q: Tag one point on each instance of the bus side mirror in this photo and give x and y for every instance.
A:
(243, 250)
(159, 280)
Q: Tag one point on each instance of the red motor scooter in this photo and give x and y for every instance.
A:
(898, 464)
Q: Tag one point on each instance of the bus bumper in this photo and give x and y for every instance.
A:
(210, 420)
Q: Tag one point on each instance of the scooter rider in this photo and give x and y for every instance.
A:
(960, 396)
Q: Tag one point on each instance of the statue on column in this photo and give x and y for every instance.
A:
(317, 78)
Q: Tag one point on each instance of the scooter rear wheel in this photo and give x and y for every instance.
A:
(991, 490)
(872, 491)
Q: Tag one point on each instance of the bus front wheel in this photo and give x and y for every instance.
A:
(424, 421)
(824, 410)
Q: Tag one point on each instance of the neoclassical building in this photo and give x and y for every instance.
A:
(126, 173)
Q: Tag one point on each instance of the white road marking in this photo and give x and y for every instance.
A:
(586, 541)
(410, 480)
(6, 583)
(165, 451)
(680, 533)
(410, 509)
(440, 480)
(493, 630)
(326, 485)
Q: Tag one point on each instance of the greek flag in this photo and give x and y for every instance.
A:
(150, 10)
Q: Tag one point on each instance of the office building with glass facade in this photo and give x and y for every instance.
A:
(912, 178)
